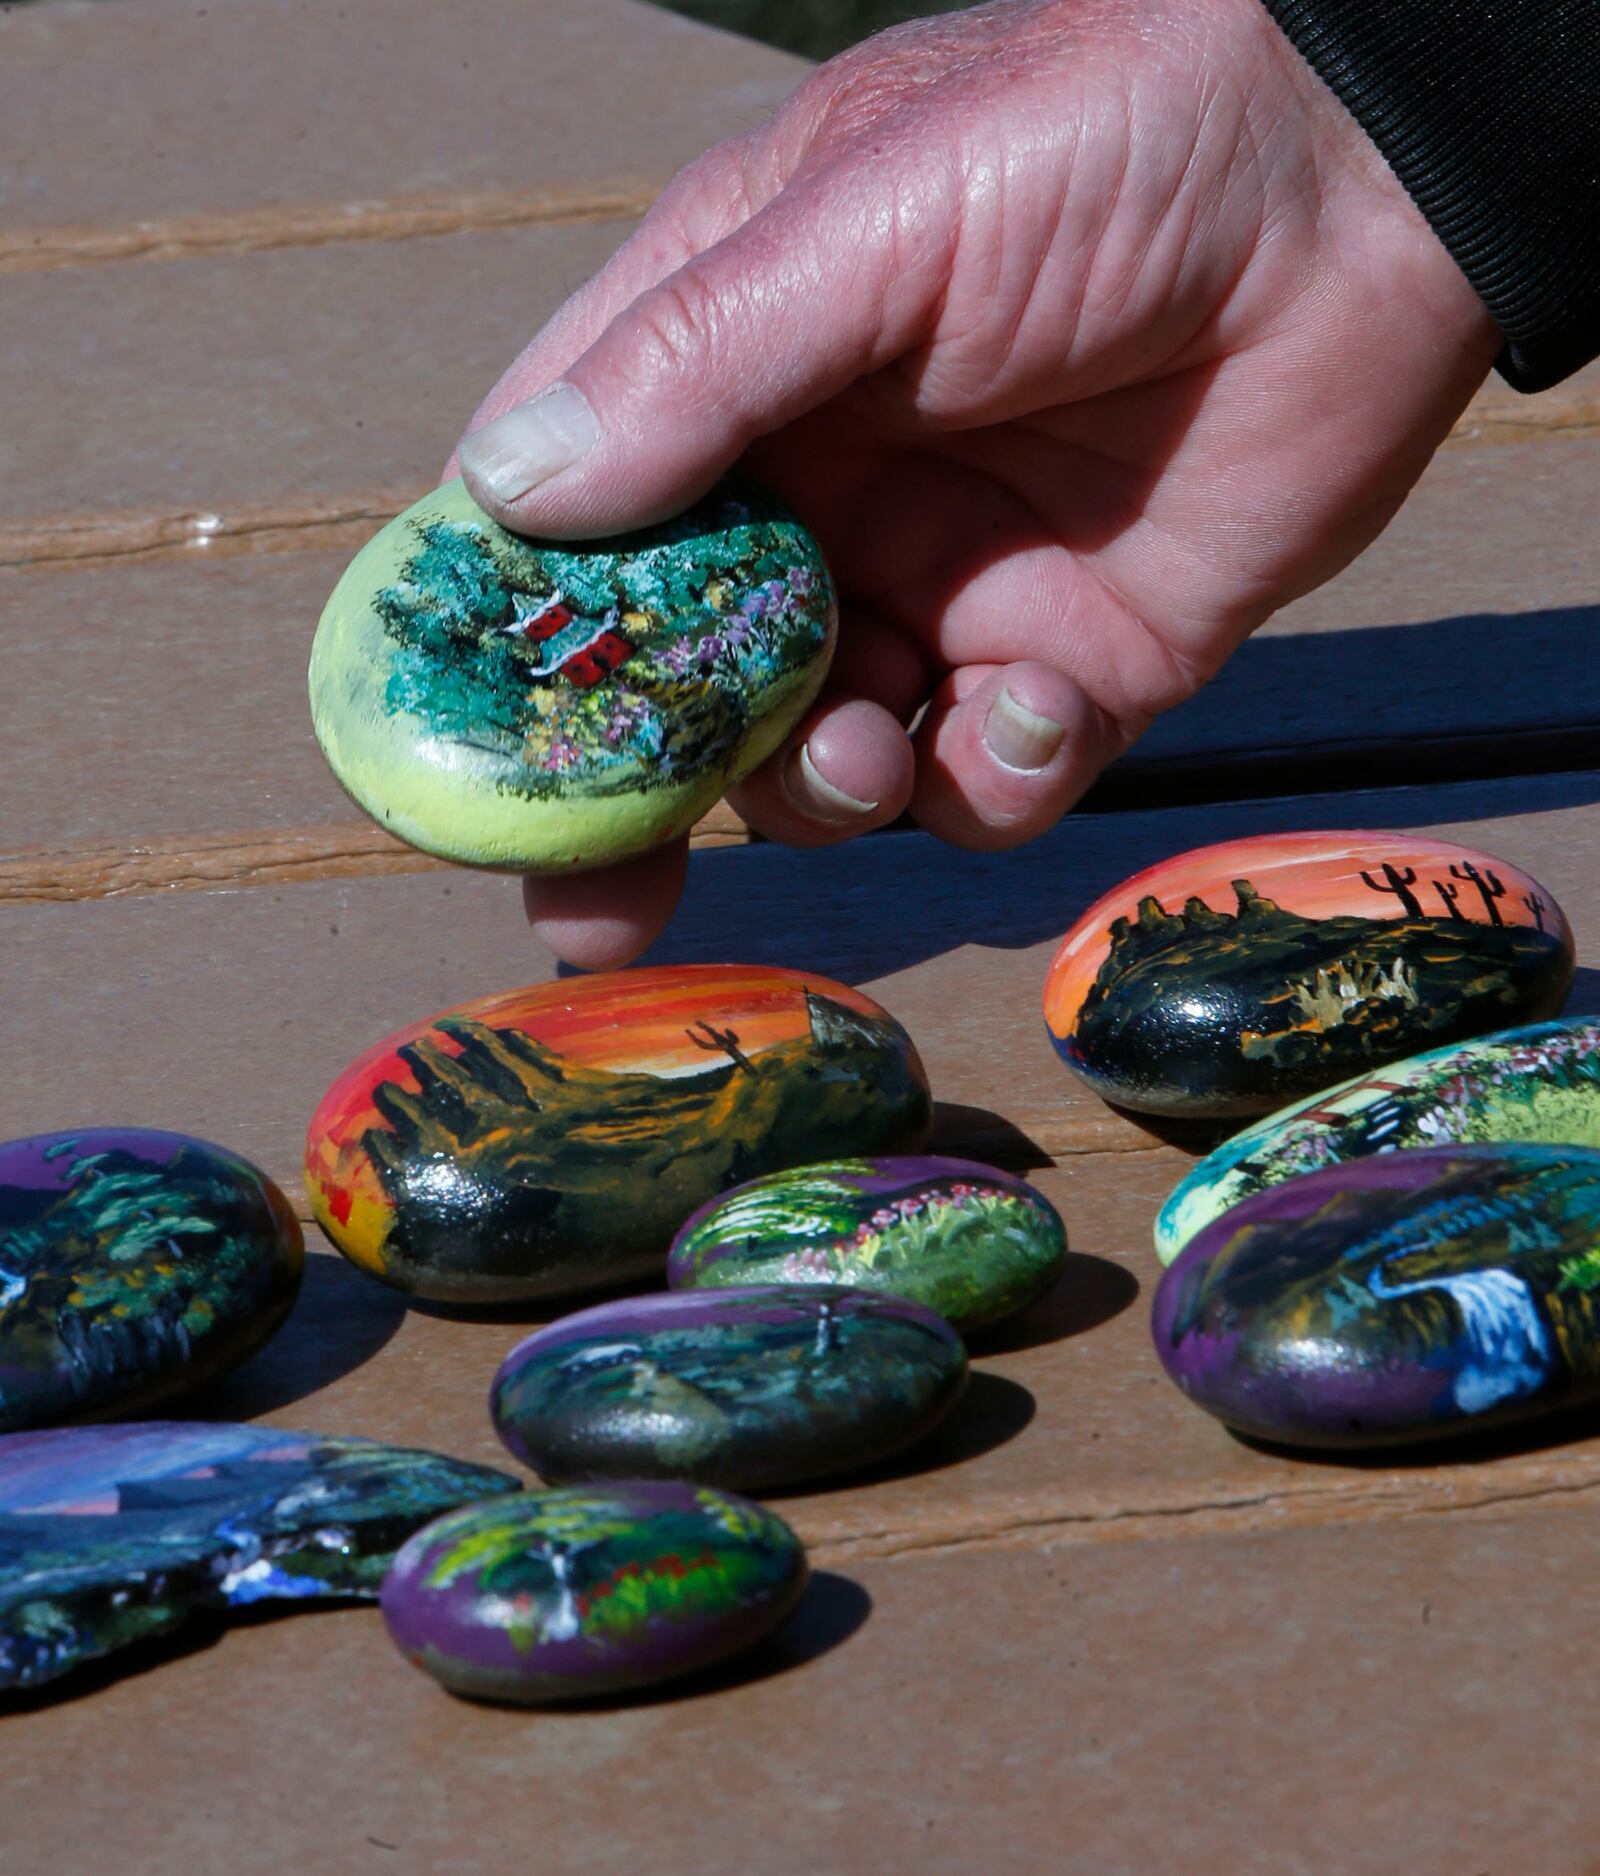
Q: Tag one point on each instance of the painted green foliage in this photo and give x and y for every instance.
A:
(706, 616)
(130, 1271)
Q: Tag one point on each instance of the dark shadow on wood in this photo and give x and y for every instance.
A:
(869, 908)
(978, 1133)
(1445, 700)
(1091, 1292)
(1583, 999)
(341, 1320)
(1543, 1432)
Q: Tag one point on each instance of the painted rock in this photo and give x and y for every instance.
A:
(133, 1264)
(1230, 979)
(552, 1139)
(590, 1589)
(110, 1534)
(1399, 1298)
(744, 1388)
(542, 706)
(1540, 1084)
(971, 1242)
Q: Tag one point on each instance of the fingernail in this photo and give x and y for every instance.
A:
(532, 443)
(814, 795)
(1019, 738)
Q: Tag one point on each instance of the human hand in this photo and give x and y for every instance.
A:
(1083, 333)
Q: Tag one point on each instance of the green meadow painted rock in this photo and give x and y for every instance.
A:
(111, 1534)
(542, 705)
(969, 1241)
(1540, 1084)
(590, 1589)
(134, 1264)
(744, 1388)
(1229, 980)
(1405, 1297)
(551, 1139)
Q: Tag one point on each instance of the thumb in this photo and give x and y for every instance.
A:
(812, 292)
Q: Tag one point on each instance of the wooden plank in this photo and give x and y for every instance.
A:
(416, 118)
(1368, 1701)
(228, 1013)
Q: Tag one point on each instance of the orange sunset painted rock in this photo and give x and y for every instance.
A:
(1236, 978)
(552, 1139)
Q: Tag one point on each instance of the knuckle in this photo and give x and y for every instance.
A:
(679, 323)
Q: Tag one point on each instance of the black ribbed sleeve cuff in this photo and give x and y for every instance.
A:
(1488, 111)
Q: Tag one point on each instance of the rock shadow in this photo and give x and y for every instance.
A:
(1091, 1291)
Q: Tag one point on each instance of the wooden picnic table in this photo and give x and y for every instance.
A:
(258, 260)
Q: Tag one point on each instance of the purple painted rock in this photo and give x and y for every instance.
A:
(133, 1264)
(969, 1241)
(744, 1388)
(590, 1589)
(1401, 1297)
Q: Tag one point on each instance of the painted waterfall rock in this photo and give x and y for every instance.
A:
(744, 1388)
(111, 1534)
(590, 1589)
(969, 1241)
(1233, 978)
(543, 706)
(133, 1264)
(1399, 1298)
(552, 1139)
(1540, 1084)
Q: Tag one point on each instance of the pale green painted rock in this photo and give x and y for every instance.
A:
(543, 706)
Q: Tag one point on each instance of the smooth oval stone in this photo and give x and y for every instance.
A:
(111, 1534)
(969, 1241)
(1405, 1297)
(1540, 1084)
(545, 705)
(133, 1264)
(590, 1589)
(552, 1139)
(1233, 978)
(744, 1388)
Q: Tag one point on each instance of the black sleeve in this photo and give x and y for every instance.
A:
(1488, 111)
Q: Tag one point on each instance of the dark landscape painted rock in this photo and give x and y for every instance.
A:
(552, 1139)
(133, 1264)
(1539, 1085)
(590, 1589)
(1405, 1297)
(746, 1388)
(1231, 979)
(111, 1534)
(969, 1241)
(543, 706)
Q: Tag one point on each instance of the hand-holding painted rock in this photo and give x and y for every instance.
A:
(1539, 1085)
(1403, 1297)
(133, 1264)
(545, 705)
(590, 1589)
(1231, 979)
(111, 1534)
(969, 1241)
(743, 1388)
(552, 1139)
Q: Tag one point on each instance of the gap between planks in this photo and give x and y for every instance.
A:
(322, 224)
(37, 542)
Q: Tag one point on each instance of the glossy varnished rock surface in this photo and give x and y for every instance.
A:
(746, 1388)
(967, 1240)
(112, 1534)
(1538, 1085)
(134, 1264)
(1403, 1297)
(1224, 981)
(590, 1589)
(543, 705)
(552, 1139)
